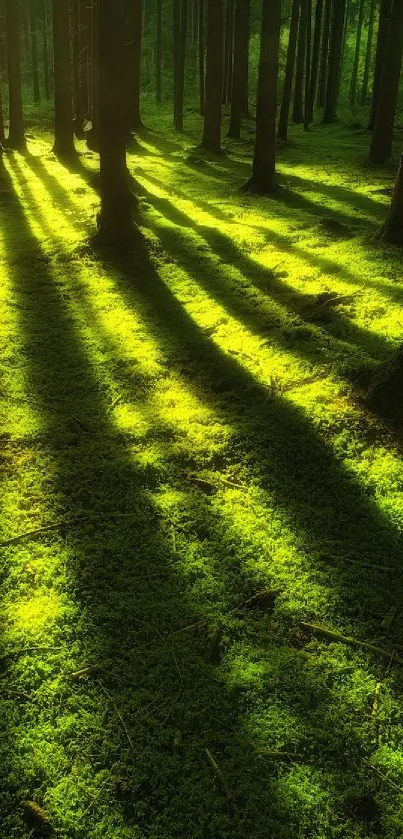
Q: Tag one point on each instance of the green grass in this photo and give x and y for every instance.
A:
(187, 422)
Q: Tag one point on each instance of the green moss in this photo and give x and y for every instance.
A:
(184, 428)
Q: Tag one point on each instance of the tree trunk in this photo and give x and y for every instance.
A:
(263, 180)
(315, 57)
(245, 61)
(392, 230)
(34, 52)
(202, 73)
(134, 16)
(324, 60)
(298, 109)
(79, 113)
(357, 52)
(381, 47)
(16, 137)
(45, 50)
(237, 93)
(231, 24)
(211, 140)
(307, 103)
(368, 53)
(93, 134)
(63, 146)
(381, 144)
(158, 54)
(228, 51)
(335, 55)
(114, 220)
(180, 24)
(2, 133)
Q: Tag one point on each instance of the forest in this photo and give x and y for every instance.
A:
(201, 419)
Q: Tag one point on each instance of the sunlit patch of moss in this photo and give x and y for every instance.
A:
(35, 615)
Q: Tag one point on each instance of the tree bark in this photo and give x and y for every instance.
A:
(78, 121)
(368, 53)
(2, 133)
(263, 179)
(202, 72)
(307, 102)
(298, 108)
(324, 59)
(63, 146)
(34, 52)
(381, 143)
(45, 50)
(16, 136)
(335, 55)
(315, 57)
(114, 220)
(357, 53)
(237, 93)
(211, 140)
(92, 136)
(381, 47)
(392, 230)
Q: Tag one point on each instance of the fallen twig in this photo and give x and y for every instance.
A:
(30, 534)
(229, 794)
(111, 699)
(386, 778)
(329, 635)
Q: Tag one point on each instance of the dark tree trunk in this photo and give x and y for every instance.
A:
(392, 230)
(180, 23)
(245, 61)
(2, 133)
(315, 57)
(16, 137)
(368, 53)
(34, 52)
(3, 58)
(237, 93)
(228, 51)
(114, 220)
(307, 102)
(335, 56)
(63, 146)
(282, 132)
(202, 72)
(78, 54)
(263, 179)
(93, 134)
(298, 109)
(324, 59)
(214, 72)
(381, 143)
(231, 24)
(357, 53)
(381, 47)
(45, 50)
(158, 54)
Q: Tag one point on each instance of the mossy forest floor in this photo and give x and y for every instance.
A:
(182, 430)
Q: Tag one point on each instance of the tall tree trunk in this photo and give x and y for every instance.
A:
(92, 136)
(231, 24)
(263, 178)
(63, 146)
(211, 140)
(158, 54)
(324, 59)
(134, 15)
(180, 24)
(16, 137)
(368, 53)
(357, 53)
(381, 47)
(45, 50)
(307, 102)
(381, 144)
(315, 57)
(79, 112)
(335, 55)
(34, 52)
(114, 220)
(2, 133)
(392, 230)
(202, 71)
(298, 108)
(228, 51)
(237, 93)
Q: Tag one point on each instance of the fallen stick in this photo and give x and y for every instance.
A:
(386, 779)
(329, 635)
(30, 534)
(111, 699)
(229, 794)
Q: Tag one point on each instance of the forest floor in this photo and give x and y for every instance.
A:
(191, 481)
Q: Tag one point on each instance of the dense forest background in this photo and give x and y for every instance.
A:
(201, 412)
